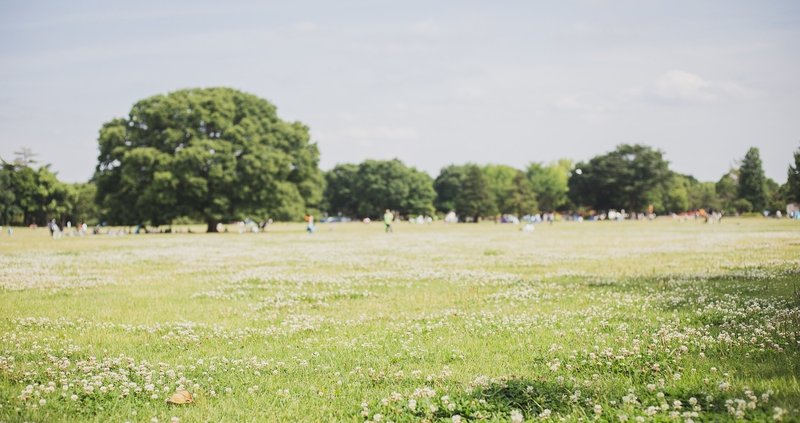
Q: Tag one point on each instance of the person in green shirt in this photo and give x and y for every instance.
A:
(388, 217)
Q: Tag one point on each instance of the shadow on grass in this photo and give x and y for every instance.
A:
(498, 398)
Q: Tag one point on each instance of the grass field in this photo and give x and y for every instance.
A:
(606, 321)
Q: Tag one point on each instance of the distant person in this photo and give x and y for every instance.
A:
(310, 223)
(388, 218)
(55, 230)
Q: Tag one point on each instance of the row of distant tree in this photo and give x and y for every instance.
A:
(34, 195)
(632, 177)
(217, 154)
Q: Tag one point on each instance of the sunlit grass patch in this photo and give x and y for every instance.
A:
(614, 321)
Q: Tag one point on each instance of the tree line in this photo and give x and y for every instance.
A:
(31, 195)
(632, 177)
(217, 154)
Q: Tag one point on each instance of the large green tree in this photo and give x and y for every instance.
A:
(726, 189)
(623, 178)
(476, 199)
(703, 195)
(214, 154)
(511, 190)
(521, 199)
(340, 195)
(465, 190)
(390, 184)
(369, 188)
(675, 192)
(752, 181)
(448, 188)
(550, 183)
(82, 207)
(32, 195)
(682, 193)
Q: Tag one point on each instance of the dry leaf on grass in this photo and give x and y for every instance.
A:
(180, 397)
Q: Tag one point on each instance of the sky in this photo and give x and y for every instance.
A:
(430, 83)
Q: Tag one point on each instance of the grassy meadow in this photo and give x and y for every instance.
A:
(594, 321)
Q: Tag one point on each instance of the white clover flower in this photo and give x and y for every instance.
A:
(516, 416)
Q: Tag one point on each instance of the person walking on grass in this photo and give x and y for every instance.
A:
(388, 218)
(310, 223)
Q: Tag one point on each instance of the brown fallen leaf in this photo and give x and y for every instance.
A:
(180, 397)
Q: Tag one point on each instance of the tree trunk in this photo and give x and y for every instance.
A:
(212, 227)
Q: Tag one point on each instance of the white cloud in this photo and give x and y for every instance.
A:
(681, 87)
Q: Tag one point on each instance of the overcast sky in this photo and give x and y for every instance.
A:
(431, 83)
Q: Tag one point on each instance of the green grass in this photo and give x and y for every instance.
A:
(575, 321)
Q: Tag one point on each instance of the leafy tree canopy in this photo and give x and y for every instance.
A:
(752, 182)
(623, 178)
(369, 188)
(214, 154)
(448, 188)
(466, 190)
(511, 190)
(34, 195)
(550, 183)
